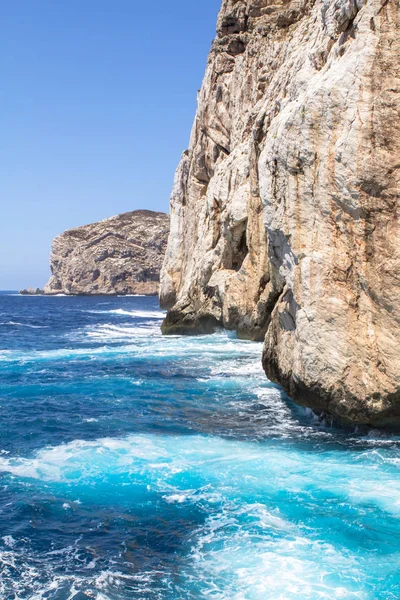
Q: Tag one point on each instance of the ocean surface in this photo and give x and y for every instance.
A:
(136, 466)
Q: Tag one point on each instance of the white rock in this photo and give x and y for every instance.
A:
(285, 209)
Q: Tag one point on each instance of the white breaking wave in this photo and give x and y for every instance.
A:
(239, 369)
(245, 550)
(264, 567)
(208, 350)
(17, 324)
(36, 574)
(143, 314)
(9, 540)
(227, 466)
(63, 354)
(115, 332)
(42, 295)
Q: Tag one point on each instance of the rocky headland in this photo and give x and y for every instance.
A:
(285, 207)
(120, 255)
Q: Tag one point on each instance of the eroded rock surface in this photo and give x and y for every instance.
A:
(285, 208)
(120, 255)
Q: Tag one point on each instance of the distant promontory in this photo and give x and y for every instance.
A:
(117, 256)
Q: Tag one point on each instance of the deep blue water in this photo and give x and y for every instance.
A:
(137, 466)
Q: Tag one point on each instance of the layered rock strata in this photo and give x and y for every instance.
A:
(285, 208)
(120, 255)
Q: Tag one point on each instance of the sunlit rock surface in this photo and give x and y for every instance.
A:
(285, 212)
(120, 255)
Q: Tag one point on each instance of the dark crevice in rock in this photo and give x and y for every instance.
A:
(216, 222)
(288, 312)
(239, 245)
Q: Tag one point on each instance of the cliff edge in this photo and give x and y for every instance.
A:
(285, 208)
(120, 255)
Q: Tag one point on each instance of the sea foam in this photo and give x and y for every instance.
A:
(242, 546)
(140, 466)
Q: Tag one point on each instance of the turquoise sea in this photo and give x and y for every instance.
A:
(134, 466)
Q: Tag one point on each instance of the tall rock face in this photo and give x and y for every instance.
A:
(120, 255)
(285, 208)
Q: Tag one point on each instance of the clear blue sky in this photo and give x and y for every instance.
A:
(97, 98)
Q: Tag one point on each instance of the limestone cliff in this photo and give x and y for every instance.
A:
(120, 255)
(285, 208)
